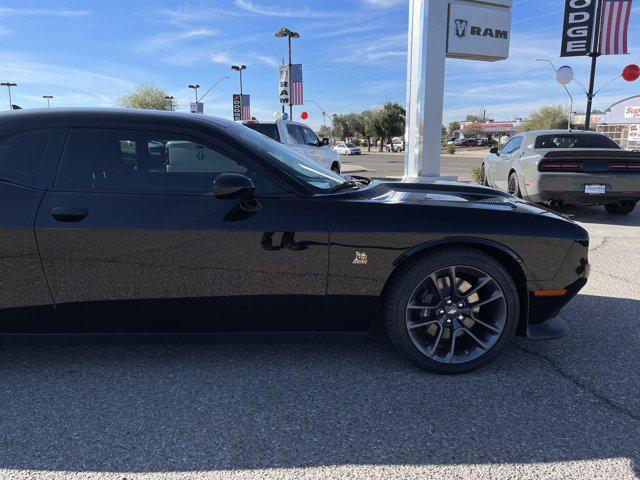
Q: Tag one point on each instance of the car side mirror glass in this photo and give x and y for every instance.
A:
(495, 151)
(233, 185)
(324, 142)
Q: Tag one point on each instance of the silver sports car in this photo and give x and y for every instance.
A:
(562, 166)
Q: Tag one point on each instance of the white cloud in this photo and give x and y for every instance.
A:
(9, 11)
(270, 61)
(220, 58)
(384, 3)
(4, 31)
(301, 12)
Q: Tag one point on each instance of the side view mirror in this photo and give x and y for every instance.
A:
(494, 151)
(233, 185)
(324, 142)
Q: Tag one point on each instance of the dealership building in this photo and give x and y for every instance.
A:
(621, 123)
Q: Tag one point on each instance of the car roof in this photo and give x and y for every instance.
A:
(87, 117)
(560, 132)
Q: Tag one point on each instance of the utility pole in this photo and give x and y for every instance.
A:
(594, 59)
(9, 85)
(48, 98)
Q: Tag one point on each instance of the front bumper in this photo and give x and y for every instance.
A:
(570, 187)
(543, 322)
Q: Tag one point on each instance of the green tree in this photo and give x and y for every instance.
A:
(548, 117)
(324, 132)
(145, 96)
(453, 128)
(342, 128)
(372, 125)
(392, 120)
(473, 130)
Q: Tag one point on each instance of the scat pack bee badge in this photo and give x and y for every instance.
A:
(361, 258)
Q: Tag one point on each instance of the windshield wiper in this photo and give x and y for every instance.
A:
(344, 186)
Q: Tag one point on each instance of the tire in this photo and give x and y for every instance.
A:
(498, 318)
(513, 187)
(483, 176)
(623, 208)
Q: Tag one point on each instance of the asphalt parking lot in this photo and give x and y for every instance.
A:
(568, 408)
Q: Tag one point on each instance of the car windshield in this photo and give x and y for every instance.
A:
(575, 140)
(351, 145)
(296, 164)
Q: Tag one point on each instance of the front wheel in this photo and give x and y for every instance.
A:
(451, 310)
(513, 185)
(621, 208)
(483, 176)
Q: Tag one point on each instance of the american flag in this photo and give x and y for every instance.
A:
(246, 107)
(296, 84)
(614, 24)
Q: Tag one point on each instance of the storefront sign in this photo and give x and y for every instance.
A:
(634, 133)
(632, 112)
(577, 30)
(478, 32)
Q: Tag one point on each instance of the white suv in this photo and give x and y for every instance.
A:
(301, 138)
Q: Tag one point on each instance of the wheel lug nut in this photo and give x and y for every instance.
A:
(441, 311)
(448, 302)
(461, 317)
(460, 305)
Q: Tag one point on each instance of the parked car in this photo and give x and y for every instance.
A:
(487, 142)
(466, 142)
(301, 138)
(451, 141)
(561, 166)
(395, 146)
(347, 148)
(228, 231)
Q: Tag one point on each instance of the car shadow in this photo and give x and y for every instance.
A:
(114, 408)
(598, 215)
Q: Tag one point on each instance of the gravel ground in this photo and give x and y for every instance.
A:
(568, 408)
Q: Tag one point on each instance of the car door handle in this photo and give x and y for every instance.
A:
(69, 214)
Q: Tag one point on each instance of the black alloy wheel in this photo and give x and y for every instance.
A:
(513, 186)
(621, 208)
(453, 310)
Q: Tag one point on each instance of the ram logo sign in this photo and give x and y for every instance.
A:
(478, 32)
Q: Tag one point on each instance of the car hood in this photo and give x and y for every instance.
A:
(446, 194)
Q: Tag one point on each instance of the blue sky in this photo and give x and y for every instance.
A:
(353, 52)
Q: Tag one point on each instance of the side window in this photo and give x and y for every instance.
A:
(310, 138)
(122, 161)
(512, 145)
(31, 157)
(295, 133)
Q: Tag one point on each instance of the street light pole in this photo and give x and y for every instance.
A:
(49, 98)
(9, 85)
(565, 88)
(195, 87)
(170, 99)
(239, 69)
(285, 32)
(213, 86)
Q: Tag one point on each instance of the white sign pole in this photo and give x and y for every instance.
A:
(425, 67)
(477, 30)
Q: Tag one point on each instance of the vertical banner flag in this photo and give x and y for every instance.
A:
(296, 84)
(614, 25)
(283, 85)
(578, 27)
(241, 107)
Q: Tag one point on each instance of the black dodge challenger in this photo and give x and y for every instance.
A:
(166, 225)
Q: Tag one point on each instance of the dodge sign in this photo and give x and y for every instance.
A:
(478, 32)
(577, 32)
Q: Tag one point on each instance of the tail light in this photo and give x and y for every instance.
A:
(625, 166)
(559, 166)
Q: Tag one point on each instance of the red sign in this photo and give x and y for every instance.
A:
(304, 115)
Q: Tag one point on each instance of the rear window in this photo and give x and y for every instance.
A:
(268, 129)
(31, 157)
(575, 141)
